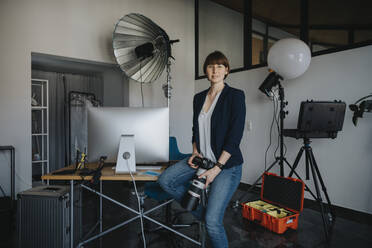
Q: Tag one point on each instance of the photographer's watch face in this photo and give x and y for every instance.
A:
(216, 73)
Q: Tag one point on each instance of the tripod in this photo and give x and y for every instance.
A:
(310, 162)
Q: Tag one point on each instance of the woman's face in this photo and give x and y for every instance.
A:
(216, 73)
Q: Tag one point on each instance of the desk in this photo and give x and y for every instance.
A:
(108, 174)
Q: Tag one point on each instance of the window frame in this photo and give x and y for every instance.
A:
(304, 36)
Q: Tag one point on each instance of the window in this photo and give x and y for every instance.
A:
(339, 23)
(246, 29)
(220, 29)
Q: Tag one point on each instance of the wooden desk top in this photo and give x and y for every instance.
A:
(108, 173)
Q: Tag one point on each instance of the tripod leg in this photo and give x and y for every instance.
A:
(307, 158)
(319, 199)
(298, 176)
(259, 178)
(333, 216)
(236, 204)
(298, 157)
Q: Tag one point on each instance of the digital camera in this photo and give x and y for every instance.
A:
(192, 198)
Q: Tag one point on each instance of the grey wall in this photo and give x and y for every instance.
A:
(345, 162)
(116, 88)
(82, 30)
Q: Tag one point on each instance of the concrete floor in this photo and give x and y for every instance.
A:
(350, 230)
(241, 232)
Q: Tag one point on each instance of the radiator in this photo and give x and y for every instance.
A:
(43, 217)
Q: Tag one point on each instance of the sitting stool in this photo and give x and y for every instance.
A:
(154, 191)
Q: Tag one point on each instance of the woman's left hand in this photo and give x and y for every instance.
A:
(210, 175)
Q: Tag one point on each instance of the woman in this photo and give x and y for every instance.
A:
(218, 124)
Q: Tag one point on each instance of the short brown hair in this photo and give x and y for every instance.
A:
(216, 58)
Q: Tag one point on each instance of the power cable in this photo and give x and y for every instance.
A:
(271, 130)
(277, 123)
(143, 104)
(139, 204)
(278, 128)
(1, 189)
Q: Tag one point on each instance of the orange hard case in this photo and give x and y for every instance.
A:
(281, 203)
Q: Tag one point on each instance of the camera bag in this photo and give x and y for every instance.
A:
(280, 205)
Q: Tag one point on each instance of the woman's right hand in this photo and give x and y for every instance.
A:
(191, 158)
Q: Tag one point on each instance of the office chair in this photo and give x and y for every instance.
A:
(174, 153)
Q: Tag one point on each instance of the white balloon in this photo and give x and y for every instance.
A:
(289, 57)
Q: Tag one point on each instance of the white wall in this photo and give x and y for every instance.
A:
(83, 30)
(345, 162)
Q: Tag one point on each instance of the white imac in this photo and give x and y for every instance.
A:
(142, 130)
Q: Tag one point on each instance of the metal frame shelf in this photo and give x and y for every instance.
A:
(40, 126)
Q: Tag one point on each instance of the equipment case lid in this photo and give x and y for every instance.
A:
(285, 192)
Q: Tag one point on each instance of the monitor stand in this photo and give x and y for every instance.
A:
(126, 156)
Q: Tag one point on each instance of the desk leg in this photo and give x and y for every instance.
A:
(100, 212)
(12, 173)
(71, 213)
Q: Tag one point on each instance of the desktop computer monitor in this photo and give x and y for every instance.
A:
(149, 126)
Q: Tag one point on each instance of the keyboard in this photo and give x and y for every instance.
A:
(148, 167)
(64, 172)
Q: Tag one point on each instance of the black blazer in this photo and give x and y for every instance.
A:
(227, 123)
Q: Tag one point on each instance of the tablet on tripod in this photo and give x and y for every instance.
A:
(318, 119)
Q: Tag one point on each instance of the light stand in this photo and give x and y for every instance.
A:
(281, 159)
(282, 114)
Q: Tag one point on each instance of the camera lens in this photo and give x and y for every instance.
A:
(192, 197)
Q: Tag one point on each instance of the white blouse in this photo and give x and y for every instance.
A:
(204, 121)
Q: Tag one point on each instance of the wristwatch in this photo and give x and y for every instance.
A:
(219, 165)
